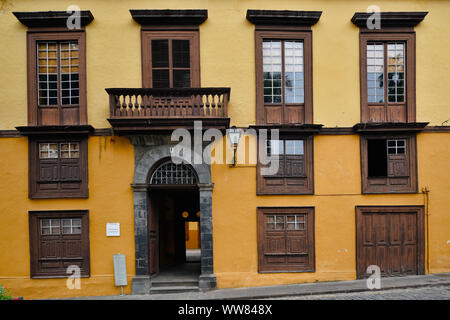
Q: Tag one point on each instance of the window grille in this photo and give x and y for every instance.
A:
(171, 173)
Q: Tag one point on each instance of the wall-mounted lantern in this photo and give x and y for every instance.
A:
(234, 134)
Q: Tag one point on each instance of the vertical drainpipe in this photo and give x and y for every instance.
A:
(426, 192)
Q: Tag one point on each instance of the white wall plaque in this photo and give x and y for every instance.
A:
(120, 270)
(113, 229)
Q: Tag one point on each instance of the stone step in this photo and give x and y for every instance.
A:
(173, 289)
(175, 283)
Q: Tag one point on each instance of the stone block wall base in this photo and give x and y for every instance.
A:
(207, 282)
(140, 285)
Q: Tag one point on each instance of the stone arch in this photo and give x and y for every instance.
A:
(151, 157)
(156, 154)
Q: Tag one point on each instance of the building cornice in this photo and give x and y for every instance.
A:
(390, 19)
(169, 17)
(394, 127)
(55, 130)
(283, 17)
(51, 19)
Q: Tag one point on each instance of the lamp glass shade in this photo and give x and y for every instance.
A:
(234, 134)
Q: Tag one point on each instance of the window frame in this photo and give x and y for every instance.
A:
(284, 33)
(308, 177)
(191, 34)
(34, 162)
(369, 185)
(78, 113)
(309, 213)
(384, 114)
(35, 234)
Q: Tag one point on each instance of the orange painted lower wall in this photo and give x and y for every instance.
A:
(111, 167)
(337, 192)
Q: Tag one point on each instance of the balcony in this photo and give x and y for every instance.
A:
(146, 110)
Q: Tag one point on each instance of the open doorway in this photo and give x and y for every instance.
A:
(174, 232)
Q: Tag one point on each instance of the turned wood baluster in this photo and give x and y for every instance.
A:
(206, 107)
(144, 105)
(219, 105)
(151, 101)
(130, 106)
(225, 104)
(160, 106)
(191, 106)
(123, 112)
(136, 109)
(195, 105)
(174, 106)
(214, 109)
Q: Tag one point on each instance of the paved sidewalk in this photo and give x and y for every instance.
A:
(304, 289)
(420, 293)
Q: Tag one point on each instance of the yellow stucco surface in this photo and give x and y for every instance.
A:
(227, 60)
(227, 55)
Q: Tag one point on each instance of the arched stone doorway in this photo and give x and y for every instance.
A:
(150, 158)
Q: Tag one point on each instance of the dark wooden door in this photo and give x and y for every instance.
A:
(153, 236)
(391, 238)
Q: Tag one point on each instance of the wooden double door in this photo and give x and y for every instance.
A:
(391, 238)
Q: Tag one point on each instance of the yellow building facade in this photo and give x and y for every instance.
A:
(339, 207)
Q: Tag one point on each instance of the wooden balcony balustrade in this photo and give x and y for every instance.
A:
(144, 110)
(168, 103)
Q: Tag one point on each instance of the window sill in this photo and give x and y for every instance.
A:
(62, 196)
(289, 271)
(57, 276)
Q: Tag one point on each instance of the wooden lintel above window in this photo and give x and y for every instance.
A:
(169, 17)
(51, 19)
(395, 127)
(306, 129)
(55, 130)
(283, 17)
(390, 19)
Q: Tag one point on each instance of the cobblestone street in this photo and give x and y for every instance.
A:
(422, 293)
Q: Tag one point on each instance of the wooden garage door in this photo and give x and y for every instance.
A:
(391, 238)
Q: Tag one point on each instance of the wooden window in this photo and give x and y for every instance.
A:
(56, 78)
(388, 164)
(58, 168)
(284, 77)
(59, 239)
(295, 167)
(387, 77)
(170, 59)
(286, 239)
(58, 73)
(391, 55)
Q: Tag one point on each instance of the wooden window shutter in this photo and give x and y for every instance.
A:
(48, 174)
(170, 58)
(286, 239)
(281, 166)
(70, 173)
(59, 239)
(398, 168)
(64, 174)
(295, 173)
